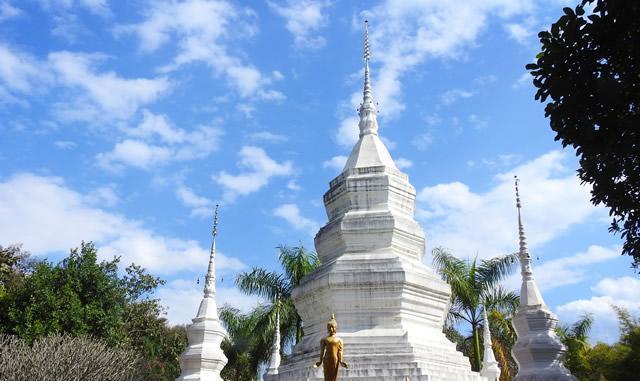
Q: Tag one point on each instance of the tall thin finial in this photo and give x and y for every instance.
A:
(215, 222)
(210, 279)
(368, 122)
(524, 252)
(367, 53)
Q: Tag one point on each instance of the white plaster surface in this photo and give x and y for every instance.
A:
(390, 307)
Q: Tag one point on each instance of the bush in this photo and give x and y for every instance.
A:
(65, 358)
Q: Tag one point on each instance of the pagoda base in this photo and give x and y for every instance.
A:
(390, 312)
(385, 355)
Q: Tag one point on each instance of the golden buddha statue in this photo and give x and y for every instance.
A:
(331, 352)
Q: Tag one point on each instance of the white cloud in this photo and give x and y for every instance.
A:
(8, 11)
(19, 72)
(523, 81)
(485, 223)
(451, 96)
(567, 270)
(204, 31)
(293, 185)
(65, 144)
(133, 153)
(484, 80)
(67, 17)
(477, 122)
(98, 7)
(521, 32)
(183, 296)
(403, 163)
(501, 161)
(260, 168)
(102, 196)
(268, 137)
(291, 214)
(103, 95)
(48, 217)
(423, 141)
(155, 141)
(304, 19)
(200, 206)
(336, 162)
(622, 292)
(348, 132)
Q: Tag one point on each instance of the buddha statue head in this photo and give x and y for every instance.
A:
(332, 325)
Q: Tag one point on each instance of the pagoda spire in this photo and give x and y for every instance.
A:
(529, 292)
(210, 278)
(537, 351)
(490, 368)
(368, 111)
(203, 359)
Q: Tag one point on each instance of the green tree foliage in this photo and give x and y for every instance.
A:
(576, 342)
(246, 347)
(474, 285)
(276, 288)
(616, 362)
(589, 67)
(14, 266)
(66, 358)
(80, 296)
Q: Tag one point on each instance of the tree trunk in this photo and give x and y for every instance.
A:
(298, 330)
(476, 347)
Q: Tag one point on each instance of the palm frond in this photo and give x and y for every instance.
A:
(493, 270)
(297, 262)
(262, 283)
(448, 266)
(502, 300)
(581, 328)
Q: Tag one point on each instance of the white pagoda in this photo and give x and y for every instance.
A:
(538, 351)
(203, 359)
(490, 368)
(390, 307)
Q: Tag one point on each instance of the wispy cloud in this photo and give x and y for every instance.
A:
(203, 31)
(49, 217)
(335, 163)
(258, 169)
(8, 11)
(200, 206)
(291, 214)
(155, 141)
(304, 19)
(453, 95)
(457, 215)
(101, 95)
(608, 292)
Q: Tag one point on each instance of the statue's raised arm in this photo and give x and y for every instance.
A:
(331, 352)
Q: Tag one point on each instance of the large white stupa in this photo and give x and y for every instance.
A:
(390, 307)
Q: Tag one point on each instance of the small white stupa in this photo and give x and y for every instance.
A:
(490, 368)
(538, 351)
(274, 363)
(203, 359)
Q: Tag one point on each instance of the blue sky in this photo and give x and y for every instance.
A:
(124, 122)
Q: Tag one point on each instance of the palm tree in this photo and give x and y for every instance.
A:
(474, 285)
(244, 345)
(503, 337)
(576, 342)
(276, 288)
